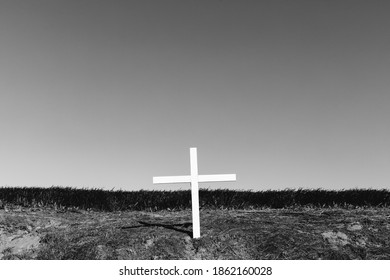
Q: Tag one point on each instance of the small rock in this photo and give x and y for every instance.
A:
(361, 242)
(149, 243)
(335, 239)
(354, 227)
(373, 229)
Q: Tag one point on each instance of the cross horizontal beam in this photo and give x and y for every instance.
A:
(201, 178)
(171, 179)
(217, 178)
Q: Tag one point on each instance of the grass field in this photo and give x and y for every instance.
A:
(102, 200)
(65, 223)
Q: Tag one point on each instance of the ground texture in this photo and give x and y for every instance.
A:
(37, 233)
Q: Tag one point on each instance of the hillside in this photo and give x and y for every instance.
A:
(296, 233)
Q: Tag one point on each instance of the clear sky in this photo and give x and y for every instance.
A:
(108, 94)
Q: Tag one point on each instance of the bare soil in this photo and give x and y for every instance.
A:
(37, 233)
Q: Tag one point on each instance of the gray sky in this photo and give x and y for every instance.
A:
(110, 93)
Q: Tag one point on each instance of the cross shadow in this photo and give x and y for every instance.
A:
(168, 226)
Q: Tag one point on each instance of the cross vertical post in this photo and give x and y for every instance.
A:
(194, 179)
(195, 193)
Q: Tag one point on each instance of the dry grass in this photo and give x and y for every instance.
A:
(300, 233)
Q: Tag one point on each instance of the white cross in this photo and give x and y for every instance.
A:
(194, 179)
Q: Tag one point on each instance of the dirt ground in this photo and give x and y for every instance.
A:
(36, 233)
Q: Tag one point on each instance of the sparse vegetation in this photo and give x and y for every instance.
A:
(68, 223)
(305, 233)
(103, 200)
